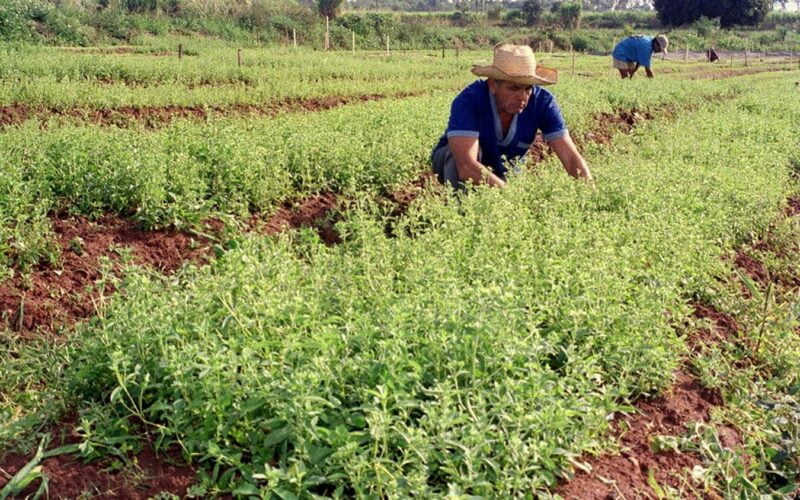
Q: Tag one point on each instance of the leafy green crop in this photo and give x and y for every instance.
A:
(479, 357)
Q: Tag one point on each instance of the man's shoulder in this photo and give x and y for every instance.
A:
(478, 87)
(542, 96)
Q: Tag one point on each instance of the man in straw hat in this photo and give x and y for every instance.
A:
(635, 51)
(493, 122)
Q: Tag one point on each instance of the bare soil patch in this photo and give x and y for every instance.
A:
(626, 475)
(754, 269)
(725, 326)
(319, 212)
(609, 124)
(149, 475)
(13, 114)
(793, 206)
(53, 297)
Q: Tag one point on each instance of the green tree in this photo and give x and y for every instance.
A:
(743, 12)
(569, 15)
(729, 12)
(329, 8)
(533, 11)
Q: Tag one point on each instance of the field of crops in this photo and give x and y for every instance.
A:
(483, 346)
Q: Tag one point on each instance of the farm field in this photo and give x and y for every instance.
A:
(483, 346)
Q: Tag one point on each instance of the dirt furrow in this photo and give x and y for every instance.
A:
(158, 116)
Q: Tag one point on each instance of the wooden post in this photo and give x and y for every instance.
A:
(442, 49)
(239, 57)
(354, 41)
(686, 54)
(731, 59)
(572, 53)
(327, 33)
(294, 37)
(551, 47)
(180, 51)
(746, 54)
(387, 45)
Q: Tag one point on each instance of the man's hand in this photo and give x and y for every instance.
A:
(570, 157)
(465, 153)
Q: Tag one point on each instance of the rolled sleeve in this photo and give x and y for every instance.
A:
(552, 136)
(462, 133)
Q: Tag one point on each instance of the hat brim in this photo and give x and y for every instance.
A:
(543, 75)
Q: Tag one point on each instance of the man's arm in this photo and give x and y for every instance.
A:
(465, 153)
(570, 157)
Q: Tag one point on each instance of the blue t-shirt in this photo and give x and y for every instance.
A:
(474, 114)
(634, 49)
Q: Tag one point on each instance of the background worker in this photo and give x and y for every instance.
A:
(635, 51)
(493, 122)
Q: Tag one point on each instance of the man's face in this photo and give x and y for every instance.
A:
(510, 97)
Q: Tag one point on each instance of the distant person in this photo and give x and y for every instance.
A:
(635, 51)
(711, 55)
(494, 122)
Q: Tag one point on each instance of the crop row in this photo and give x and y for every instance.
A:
(479, 356)
(52, 78)
(187, 171)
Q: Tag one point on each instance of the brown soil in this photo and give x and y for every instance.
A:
(793, 206)
(754, 269)
(68, 477)
(13, 114)
(50, 298)
(626, 475)
(606, 126)
(159, 116)
(724, 327)
(319, 212)
(609, 124)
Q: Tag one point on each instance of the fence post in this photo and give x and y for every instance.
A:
(327, 33)
(294, 37)
(731, 59)
(686, 54)
(239, 57)
(180, 51)
(387, 45)
(442, 49)
(746, 54)
(572, 53)
(354, 41)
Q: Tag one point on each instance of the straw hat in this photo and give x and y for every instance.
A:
(516, 63)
